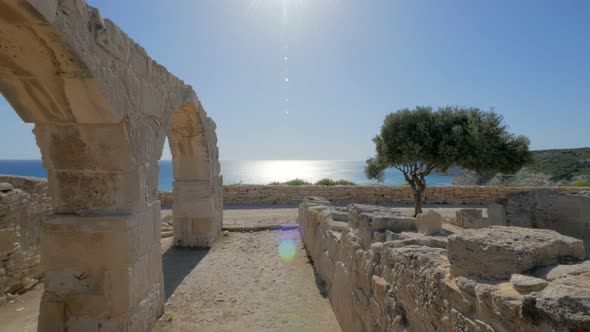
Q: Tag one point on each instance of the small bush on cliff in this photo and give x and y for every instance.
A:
(330, 182)
(581, 184)
(419, 141)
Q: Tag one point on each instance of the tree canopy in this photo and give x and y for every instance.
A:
(421, 140)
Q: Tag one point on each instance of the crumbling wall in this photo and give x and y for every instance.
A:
(493, 279)
(24, 204)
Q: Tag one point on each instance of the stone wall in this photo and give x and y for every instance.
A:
(260, 194)
(494, 279)
(544, 208)
(24, 204)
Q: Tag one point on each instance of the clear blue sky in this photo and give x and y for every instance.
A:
(349, 63)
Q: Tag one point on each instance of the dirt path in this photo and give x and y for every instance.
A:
(243, 284)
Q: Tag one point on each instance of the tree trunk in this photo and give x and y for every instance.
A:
(418, 201)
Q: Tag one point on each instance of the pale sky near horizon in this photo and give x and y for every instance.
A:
(314, 79)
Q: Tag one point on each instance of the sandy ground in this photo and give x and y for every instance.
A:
(255, 215)
(241, 284)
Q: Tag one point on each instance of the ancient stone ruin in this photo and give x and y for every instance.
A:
(24, 205)
(102, 109)
(381, 274)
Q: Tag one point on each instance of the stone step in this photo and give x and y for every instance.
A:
(167, 234)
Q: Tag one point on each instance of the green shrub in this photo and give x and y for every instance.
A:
(294, 182)
(297, 182)
(330, 182)
(581, 184)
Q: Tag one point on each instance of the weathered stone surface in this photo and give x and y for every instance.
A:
(559, 306)
(372, 222)
(6, 188)
(523, 283)
(499, 251)
(427, 241)
(22, 210)
(556, 272)
(405, 284)
(471, 219)
(429, 222)
(565, 213)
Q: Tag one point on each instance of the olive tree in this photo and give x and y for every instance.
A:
(420, 141)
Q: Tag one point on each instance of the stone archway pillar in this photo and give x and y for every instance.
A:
(101, 248)
(197, 209)
(194, 214)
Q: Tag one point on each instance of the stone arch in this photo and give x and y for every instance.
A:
(197, 189)
(101, 107)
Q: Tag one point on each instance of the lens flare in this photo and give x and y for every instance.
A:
(288, 246)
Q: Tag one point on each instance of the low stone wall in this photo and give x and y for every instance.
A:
(258, 194)
(494, 279)
(567, 214)
(24, 204)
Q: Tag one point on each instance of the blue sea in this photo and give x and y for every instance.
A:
(256, 171)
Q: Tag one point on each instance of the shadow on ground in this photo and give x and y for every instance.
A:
(177, 263)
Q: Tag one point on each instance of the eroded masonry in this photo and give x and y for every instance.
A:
(384, 271)
(102, 109)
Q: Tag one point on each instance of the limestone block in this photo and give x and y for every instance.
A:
(560, 306)
(471, 219)
(85, 192)
(557, 272)
(101, 268)
(190, 190)
(429, 223)
(6, 188)
(523, 283)
(310, 201)
(341, 296)
(371, 220)
(427, 241)
(85, 147)
(499, 251)
(496, 215)
(193, 208)
(89, 243)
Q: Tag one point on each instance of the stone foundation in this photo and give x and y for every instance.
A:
(383, 280)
